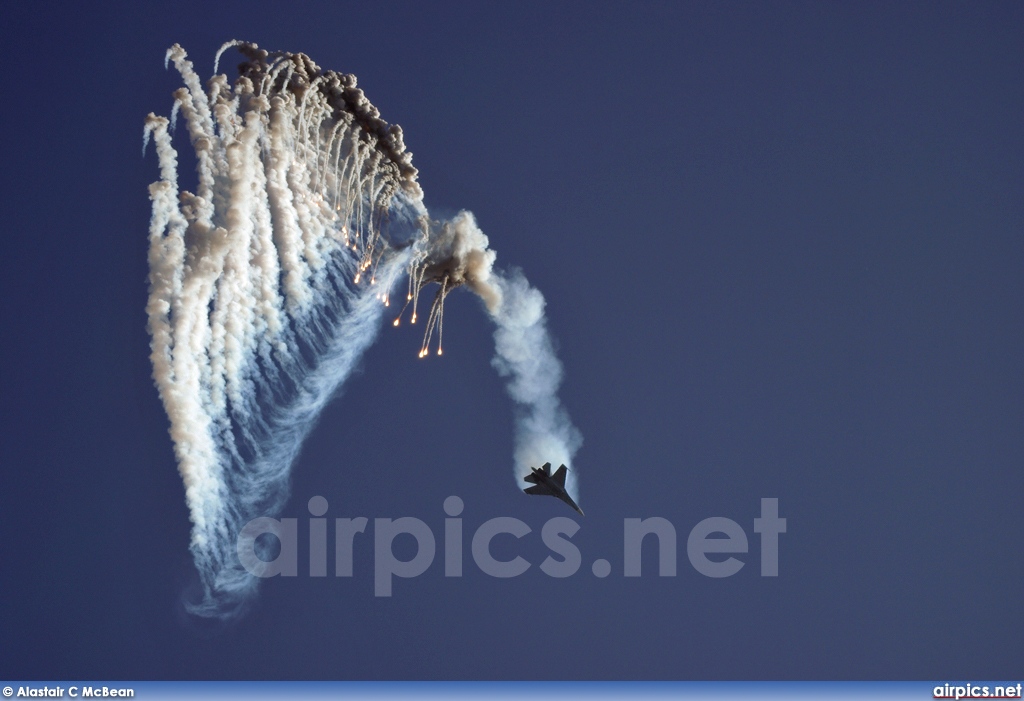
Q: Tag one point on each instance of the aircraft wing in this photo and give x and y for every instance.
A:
(539, 489)
(559, 477)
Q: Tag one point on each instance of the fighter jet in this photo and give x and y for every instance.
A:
(551, 484)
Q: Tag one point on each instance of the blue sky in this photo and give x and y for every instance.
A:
(781, 247)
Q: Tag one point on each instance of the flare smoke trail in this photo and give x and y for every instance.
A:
(269, 282)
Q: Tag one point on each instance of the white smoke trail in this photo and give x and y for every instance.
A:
(525, 355)
(268, 283)
(524, 352)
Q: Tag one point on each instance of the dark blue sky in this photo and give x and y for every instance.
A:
(782, 247)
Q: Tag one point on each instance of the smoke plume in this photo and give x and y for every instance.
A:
(270, 280)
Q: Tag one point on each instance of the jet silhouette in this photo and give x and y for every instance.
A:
(550, 484)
